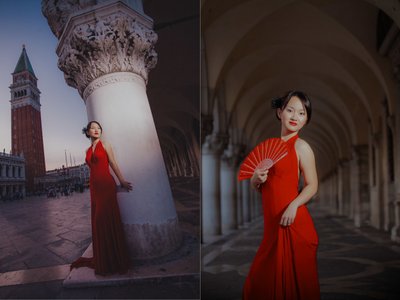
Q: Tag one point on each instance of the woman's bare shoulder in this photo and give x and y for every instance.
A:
(302, 146)
(106, 144)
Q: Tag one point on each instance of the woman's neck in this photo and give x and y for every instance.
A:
(95, 141)
(286, 135)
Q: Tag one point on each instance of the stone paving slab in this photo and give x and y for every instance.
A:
(40, 231)
(34, 275)
(40, 237)
(353, 263)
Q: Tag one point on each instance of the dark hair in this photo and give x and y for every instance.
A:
(281, 102)
(85, 130)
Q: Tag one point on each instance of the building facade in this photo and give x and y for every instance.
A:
(26, 123)
(73, 177)
(12, 176)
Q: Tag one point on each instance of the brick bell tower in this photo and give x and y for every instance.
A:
(26, 121)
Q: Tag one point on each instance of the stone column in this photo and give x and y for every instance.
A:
(105, 51)
(253, 203)
(246, 200)
(395, 231)
(228, 190)
(340, 188)
(333, 192)
(359, 184)
(385, 167)
(374, 179)
(346, 186)
(239, 197)
(355, 192)
(210, 186)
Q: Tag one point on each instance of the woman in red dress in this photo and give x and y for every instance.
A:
(110, 254)
(285, 265)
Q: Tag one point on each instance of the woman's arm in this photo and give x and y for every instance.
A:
(114, 166)
(307, 167)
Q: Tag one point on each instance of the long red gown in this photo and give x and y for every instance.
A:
(285, 265)
(110, 254)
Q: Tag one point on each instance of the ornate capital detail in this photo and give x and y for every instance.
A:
(110, 79)
(103, 40)
(215, 143)
(233, 154)
(206, 126)
(57, 12)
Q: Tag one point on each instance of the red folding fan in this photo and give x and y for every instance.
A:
(263, 156)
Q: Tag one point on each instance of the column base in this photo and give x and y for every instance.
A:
(184, 266)
(152, 240)
(395, 234)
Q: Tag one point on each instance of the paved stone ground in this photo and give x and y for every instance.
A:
(42, 235)
(353, 263)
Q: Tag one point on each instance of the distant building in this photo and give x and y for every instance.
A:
(12, 176)
(76, 175)
(26, 122)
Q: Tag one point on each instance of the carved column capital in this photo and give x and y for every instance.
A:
(206, 126)
(103, 39)
(233, 154)
(215, 143)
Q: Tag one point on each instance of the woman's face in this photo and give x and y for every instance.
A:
(294, 115)
(94, 131)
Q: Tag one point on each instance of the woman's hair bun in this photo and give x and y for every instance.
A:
(85, 132)
(276, 102)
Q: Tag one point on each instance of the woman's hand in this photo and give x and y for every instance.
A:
(126, 185)
(289, 215)
(259, 177)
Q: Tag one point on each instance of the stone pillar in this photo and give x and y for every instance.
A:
(333, 193)
(239, 197)
(365, 208)
(359, 184)
(253, 203)
(385, 169)
(228, 190)
(105, 51)
(374, 179)
(340, 188)
(355, 192)
(395, 231)
(210, 186)
(246, 200)
(346, 186)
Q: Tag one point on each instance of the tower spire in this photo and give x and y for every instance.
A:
(23, 63)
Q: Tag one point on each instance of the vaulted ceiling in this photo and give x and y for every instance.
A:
(256, 50)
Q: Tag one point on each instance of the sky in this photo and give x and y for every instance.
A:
(63, 110)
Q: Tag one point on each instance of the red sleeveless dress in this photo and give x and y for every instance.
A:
(285, 265)
(110, 254)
